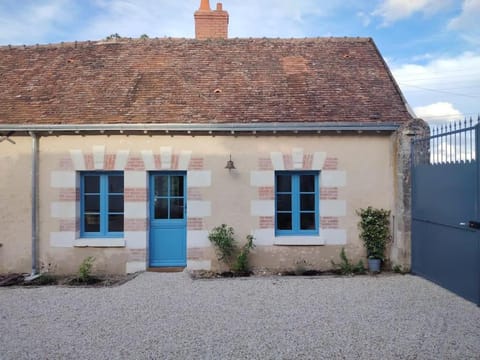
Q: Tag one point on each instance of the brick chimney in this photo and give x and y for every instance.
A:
(211, 24)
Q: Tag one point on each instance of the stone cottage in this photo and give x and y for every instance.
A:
(118, 149)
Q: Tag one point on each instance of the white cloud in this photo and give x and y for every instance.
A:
(453, 80)
(393, 10)
(33, 20)
(467, 22)
(441, 111)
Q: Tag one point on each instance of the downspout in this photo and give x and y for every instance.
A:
(34, 203)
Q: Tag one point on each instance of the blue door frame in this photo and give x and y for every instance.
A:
(168, 219)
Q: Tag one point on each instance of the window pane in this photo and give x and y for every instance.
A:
(115, 223)
(284, 183)
(115, 203)
(91, 183)
(176, 186)
(92, 203)
(307, 202)
(284, 221)
(307, 183)
(115, 184)
(176, 208)
(307, 221)
(92, 223)
(161, 208)
(284, 202)
(161, 185)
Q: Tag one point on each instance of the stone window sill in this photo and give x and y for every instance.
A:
(99, 242)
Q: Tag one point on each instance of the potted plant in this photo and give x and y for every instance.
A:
(374, 226)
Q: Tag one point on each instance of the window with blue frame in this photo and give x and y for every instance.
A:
(101, 204)
(296, 203)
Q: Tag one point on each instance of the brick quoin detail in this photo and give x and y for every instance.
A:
(135, 194)
(69, 225)
(88, 161)
(135, 225)
(66, 164)
(158, 161)
(194, 193)
(329, 193)
(196, 164)
(135, 163)
(287, 161)
(266, 222)
(195, 223)
(109, 161)
(174, 162)
(68, 194)
(307, 161)
(194, 254)
(266, 193)
(330, 164)
(265, 164)
(329, 222)
(137, 254)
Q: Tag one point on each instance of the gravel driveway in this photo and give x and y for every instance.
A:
(170, 316)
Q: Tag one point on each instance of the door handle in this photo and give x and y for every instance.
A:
(472, 224)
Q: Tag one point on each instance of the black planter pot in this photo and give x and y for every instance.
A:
(374, 265)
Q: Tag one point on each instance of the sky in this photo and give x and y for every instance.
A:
(431, 46)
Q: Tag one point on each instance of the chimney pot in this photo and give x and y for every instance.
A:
(211, 24)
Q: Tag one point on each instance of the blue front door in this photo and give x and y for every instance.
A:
(168, 225)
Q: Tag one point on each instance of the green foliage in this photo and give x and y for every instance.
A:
(85, 269)
(113, 37)
(144, 36)
(374, 228)
(222, 238)
(346, 267)
(399, 269)
(241, 263)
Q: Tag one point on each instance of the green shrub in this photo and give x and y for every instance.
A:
(222, 238)
(374, 228)
(85, 269)
(241, 263)
(346, 267)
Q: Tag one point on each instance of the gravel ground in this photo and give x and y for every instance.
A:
(170, 316)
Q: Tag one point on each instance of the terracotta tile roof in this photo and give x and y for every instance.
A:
(191, 81)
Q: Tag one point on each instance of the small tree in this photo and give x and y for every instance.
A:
(374, 228)
(222, 238)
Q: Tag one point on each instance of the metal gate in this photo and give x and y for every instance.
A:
(445, 209)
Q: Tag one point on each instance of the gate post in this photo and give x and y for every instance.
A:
(400, 251)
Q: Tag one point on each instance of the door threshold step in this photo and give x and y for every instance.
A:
(166, 269)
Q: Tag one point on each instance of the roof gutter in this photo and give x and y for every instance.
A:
(283, 127)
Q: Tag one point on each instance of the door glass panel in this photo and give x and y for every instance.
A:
(284, 202)
(161, 208)
(91, 184)
(307, 221)
(284, 221)
(161, 185)
(115, 222)
(92, 223)
(307, 202)
(284, 183)
(92, 203)
(115, 184)
(176, 186)
(307, 183)
(115, 203)
(176, 208)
